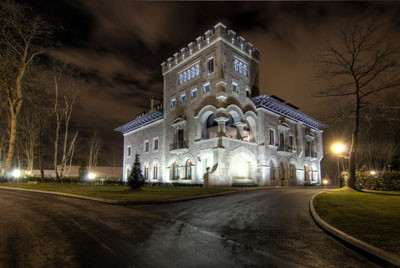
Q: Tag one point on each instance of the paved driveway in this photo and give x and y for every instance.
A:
(269, 228)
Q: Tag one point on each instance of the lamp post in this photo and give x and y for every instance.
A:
(338, 149)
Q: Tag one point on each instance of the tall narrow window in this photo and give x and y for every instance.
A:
(271, 137)
(146, 172)
(194, 93)
(281, 139)
(180, 79)
(236, 65)
(183, 98)
(180, 139)
(206, 87)
(146, 146)
(188, 170)
(234, 87)
(173, 102)
(197, 69)
(210, 66)
(155, 171)
(155, 146)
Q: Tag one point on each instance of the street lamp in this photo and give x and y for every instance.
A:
(338, 149)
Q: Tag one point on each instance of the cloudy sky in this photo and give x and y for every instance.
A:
(119, 45)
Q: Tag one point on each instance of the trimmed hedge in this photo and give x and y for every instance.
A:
(385, 181)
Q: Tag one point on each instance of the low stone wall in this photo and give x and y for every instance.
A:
(101, 172)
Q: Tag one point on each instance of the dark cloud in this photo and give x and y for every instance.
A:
(119, 45)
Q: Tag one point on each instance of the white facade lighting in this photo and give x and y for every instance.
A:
(16, 173)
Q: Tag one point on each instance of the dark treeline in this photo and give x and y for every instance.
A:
(37, 98)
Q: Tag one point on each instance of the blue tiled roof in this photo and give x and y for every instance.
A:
(271, 104)
(142, 121)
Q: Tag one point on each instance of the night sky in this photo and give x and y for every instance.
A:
(119, 46)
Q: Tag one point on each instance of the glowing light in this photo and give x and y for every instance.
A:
(91, 176)
(16, 173)
(338, 148)
(324, 182)
(373, 172)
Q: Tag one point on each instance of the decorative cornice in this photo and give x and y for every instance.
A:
(271, 104)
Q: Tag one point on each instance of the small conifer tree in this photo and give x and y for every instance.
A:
(135, 179)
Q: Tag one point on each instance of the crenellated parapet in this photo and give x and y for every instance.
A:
(211, 36)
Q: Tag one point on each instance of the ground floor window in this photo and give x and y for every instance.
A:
(146, 172)
(188, 170)
(174, 171)
(155, 172)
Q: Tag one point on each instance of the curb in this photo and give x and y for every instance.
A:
(364, 247)
(126, 202)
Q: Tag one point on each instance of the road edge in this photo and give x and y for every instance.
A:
(365, 247)
(126, 202)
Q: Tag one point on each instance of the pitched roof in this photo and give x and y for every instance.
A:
(142, 121)
(276, 106)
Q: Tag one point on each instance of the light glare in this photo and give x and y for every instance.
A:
(91, 176)
(16, 173)
(338, 148)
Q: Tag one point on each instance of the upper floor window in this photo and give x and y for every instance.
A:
(146, 146)
(129, 152)
(155, 144)
(189, 74)
(194, 93)
(183, 98)
(240, 67)
(210, 66)
(271, 137)
(173, 102)
(206, 87)
(234, 87)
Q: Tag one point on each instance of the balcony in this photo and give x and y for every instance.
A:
(179, 147)
(311, 154)
(285, 149)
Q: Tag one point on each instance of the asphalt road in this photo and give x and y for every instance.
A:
(269, 228)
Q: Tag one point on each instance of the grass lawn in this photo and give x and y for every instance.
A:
(371, 217)
(121, 192)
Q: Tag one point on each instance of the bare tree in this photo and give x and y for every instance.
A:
(95, 144)
(359, 63)
(69, 103)
(65, 88)
(23, 37)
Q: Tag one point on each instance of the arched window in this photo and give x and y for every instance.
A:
(184, 77)
(146, 172)
(210, 128)
(189, 73)
(180, 79)
(240, 67)
(244, 69)
(188, 170)
(193, 72)
(236, 62)
(197, 69)
(174, 171)
(155, 171)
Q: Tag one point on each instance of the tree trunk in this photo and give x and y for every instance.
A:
(11, 144)
(354, 141)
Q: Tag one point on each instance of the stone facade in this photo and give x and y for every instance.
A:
(214, 128)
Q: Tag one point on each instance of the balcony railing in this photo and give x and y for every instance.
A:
(178, 145)
(310, 153)
(285, 148)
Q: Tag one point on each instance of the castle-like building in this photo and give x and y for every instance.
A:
(214, 127)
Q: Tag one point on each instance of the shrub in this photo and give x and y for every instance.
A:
(135, 179)
(386, 181)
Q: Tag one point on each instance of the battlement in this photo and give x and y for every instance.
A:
(219, 32)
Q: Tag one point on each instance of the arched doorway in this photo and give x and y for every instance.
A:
(283, 174)
(292, 175)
